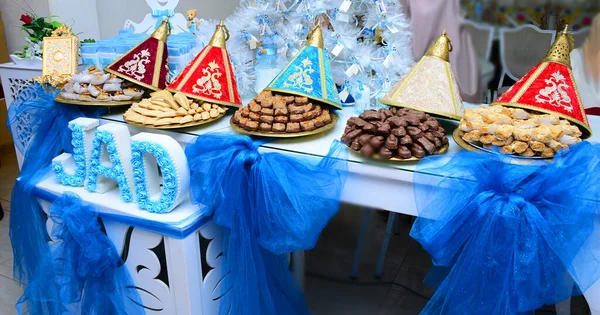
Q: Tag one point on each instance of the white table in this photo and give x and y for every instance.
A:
(373, 184)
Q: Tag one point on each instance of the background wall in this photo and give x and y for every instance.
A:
(98, 19)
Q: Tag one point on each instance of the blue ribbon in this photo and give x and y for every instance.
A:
(162, 14)
(270, 205)
(84, 270)
(40, 126)
(506, 237)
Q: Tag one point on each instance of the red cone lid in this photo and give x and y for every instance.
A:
(550, 87)
(146, 64)
(209, 77)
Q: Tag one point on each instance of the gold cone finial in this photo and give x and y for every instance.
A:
(440, 48)
(315, 37)
(220, 36)
(163, 30)
(560, 52)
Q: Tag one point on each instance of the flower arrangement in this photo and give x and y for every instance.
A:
(36, 29)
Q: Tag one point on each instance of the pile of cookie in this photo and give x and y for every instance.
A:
(279, 113)
(401, 133)
(516, 131)
(164, 109)
(93, 85)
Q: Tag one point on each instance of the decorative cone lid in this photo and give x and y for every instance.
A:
(309, 73)
(550, 87)
(209, 77)
(430, 85)
(146, 63)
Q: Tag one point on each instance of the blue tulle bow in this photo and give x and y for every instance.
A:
(511, 235)
(39, 127)
(270, 204)
(83, 274)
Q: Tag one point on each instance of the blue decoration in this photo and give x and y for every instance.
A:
(169, 173)
(77, 179)
(270, 205)
(114, 172)
(40, 126)
(161, 15)
(84, 270)
(511, 236)
(308, 74)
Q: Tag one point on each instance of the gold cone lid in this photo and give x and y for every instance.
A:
(315, 37)
(220, 36)
(440, 48)
(163, 30)
(560, 51)
(430, 85)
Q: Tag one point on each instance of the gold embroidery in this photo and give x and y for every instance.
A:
(301, 78)
(209, 83)
(136, 66)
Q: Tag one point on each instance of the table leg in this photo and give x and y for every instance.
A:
(386, 242)
(360, 243)
(298, 267)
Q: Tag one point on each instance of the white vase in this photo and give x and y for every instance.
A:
(35, 62)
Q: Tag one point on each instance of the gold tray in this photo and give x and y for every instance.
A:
(442, 150)
(187, 125)
(334, 120)
(63, 100)
(470, 146)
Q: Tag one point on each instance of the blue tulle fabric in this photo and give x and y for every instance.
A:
(40, 129)
(83, 273)
(508, 236)
(270, 204)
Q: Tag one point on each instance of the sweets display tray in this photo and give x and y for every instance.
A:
(476, 146)
(442, 150)
(179, 126)
(334, 120)
(63, 100)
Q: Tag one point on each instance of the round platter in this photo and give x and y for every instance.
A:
(334, 120)
(470, 146)
(63, 100)
(187, 125)
(442, 150)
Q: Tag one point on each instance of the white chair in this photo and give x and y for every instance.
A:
(580, 36)
(482, 36)
(522, 48)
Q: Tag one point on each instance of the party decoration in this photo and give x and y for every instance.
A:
(172, 162)
(308, 74)
(113, 166)
(159, 12)
(430, 85)
(549, 87)
(83, 273)
(146, 64)
(209, 77)
(39, 125)
(512, 236)
(255, 197)
(71, 169)
(193, 22)
(368, 42)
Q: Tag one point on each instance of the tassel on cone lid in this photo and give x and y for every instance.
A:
(550, 87)
(209, 77)
(430, 86)
(309, 73)
(146, 64)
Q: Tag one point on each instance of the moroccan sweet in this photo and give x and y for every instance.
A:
(517, 131)
(282, 113)
(166, 110)
(93, 85)
(401, 133)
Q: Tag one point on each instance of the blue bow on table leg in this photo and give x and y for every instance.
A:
(39, 127)
(511, 236)
(270, 204)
